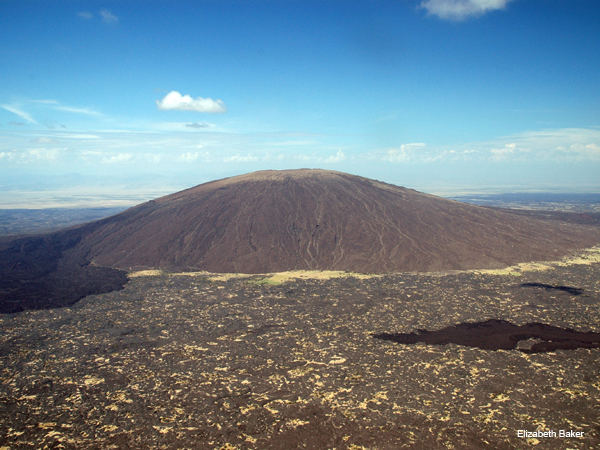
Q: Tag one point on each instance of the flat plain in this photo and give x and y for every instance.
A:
(31, 221)
(207, 361)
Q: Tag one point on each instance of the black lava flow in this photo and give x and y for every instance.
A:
(500, 335)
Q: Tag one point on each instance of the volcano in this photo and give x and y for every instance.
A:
(273, 221)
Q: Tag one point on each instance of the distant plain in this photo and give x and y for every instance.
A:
(31, 217)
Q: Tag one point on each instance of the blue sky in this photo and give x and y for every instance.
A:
(439, 95)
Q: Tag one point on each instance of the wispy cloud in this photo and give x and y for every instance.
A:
(504, 153)
(44, 140)
(338, 157)
(174, 149)
(108, 17)
(78, 136)
(559, 145)
(239, 158)
(87, 111)
(175, 101)
(120, 158)
(45, 102)
(194, 156)
(15, 109)
(31, 155)
(567, 145)
(404, 153)
(189, 156)
(37, 105)
(85, 15)
(461, 9)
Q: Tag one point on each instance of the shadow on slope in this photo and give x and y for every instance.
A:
(48, 272)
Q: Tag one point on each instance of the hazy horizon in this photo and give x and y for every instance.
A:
(79, 191)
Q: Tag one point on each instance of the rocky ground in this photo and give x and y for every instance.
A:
(201, 361)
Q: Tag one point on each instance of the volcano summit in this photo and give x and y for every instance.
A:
(273, 221)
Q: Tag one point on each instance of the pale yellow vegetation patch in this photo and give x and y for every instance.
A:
(227, 446)
(92, 381)
(282, 277)
(295, 423)
(509, 271)
(226, 276)
(268, 278)
(586, 256)
(144, 273)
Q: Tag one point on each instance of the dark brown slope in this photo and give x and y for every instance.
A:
(314, 219)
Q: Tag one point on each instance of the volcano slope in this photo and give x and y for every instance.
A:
(273, 221)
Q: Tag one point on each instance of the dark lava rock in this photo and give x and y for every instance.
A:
(501, 335)
(48, 272)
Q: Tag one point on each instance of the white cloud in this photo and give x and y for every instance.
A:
(10, 155)
(315, 158)
(85, 15)
(573, 153)
(273, 158)
(338, 157)
(189, 156)
(567, 145)
(461, 9)
(120, 158)
(404, 153)
(175, 101)
(239, 158)
(592, 150)
(108, 17)
(14, 109)
(78, 136)
(559, 145)
(43, 154)
(32, 155)
(499, 154)
(91, 152)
